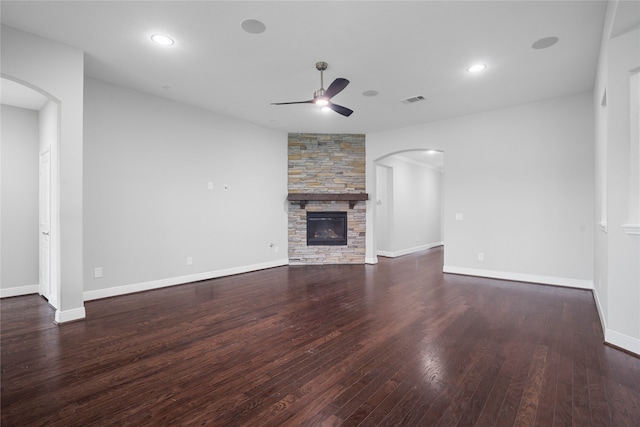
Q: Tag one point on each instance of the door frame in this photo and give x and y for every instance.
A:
(53, 138)
(44, 224)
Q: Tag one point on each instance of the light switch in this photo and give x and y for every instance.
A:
(459, 217)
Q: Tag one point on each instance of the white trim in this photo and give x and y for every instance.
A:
(63, 316)
(410, 250)
(19, 290)
(520, 277)
(603, 226)
(172, 281)
(623, 341)
(631, 229)
(603, 319)
(399, 156)
(615, 338)
(373, 260)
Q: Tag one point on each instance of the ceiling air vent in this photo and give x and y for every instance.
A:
(413, 99)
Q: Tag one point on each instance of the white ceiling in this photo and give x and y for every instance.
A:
(400, 49)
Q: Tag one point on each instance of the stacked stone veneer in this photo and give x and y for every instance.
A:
(326, 163)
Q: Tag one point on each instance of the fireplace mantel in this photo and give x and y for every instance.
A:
(304, 198)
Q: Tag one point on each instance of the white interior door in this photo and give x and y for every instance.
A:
(45, 225)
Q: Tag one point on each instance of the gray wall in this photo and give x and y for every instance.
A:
(522, 178)
(19, 198)
(149, 165)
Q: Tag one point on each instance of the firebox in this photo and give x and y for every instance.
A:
(326, 228)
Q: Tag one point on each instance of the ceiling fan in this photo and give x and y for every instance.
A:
(323, 97)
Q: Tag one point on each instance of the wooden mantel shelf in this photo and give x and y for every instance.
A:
(304, 198)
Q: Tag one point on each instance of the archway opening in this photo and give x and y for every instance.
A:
(409, 202)
(29, 222)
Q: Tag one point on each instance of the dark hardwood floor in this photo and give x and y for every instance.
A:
(397, 343)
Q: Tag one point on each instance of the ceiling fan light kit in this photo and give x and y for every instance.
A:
(323, 97)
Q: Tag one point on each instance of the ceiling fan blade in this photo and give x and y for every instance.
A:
(340, 109)
(296, 102)
(336, 87)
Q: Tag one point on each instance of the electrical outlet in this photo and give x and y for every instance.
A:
(97, 272)
(459, 217)
(480, 256)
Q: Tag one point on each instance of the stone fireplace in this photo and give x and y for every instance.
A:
(326, 180)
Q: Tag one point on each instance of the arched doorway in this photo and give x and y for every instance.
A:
(408, 202)
(34, 176)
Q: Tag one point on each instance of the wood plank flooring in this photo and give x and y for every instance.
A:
(393, 344)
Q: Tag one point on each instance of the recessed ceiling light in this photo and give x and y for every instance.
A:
(545, 43)
(161, 39)
(253, 26)
(476, 68)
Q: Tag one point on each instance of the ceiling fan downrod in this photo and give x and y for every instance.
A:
(320, 66)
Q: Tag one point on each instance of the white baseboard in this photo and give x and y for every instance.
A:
(407, 251)
(615, 338)
(603, 319)
(623, 341)
(172, 281)
(373, 260)
(63, 316)
(520, 277)
(19, 290)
